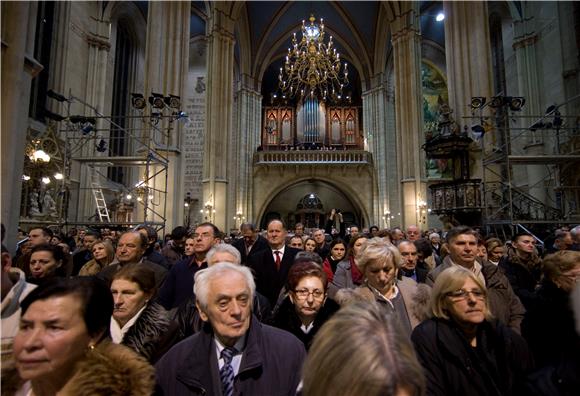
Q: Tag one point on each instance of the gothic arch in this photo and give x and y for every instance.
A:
(349, 194)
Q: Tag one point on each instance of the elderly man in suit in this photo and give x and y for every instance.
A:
(272, 264)
(409, 266)
(250, 243)
(233, 353)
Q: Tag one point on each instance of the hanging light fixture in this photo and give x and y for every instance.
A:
(313, 67)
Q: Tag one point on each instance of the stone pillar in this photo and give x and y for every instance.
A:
(467, 54)
(249, 104)
(525, 40)
(219, 105)
(375, 122)
(469, 73)
(18, 70)
(409, 111)
(166, 71)
(98, 40)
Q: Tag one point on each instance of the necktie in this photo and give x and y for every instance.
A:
(227, 371)
(278, 260)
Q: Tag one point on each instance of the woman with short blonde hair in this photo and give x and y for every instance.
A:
(379, 262)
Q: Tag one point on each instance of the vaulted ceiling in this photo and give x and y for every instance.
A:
(359, 28)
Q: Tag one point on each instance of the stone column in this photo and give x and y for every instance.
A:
(98, 40)
(18, 70)
(467, 54)
(166, 71)
(219, 105)
(469, 73)
(406, 41)
(375, 115)
(525, 40)
(249, 104)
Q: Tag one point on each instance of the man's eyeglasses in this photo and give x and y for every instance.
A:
(205, 235)
(303, 294)
(462, 294)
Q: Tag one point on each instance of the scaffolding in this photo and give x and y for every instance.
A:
(546, 150)
(106, 188)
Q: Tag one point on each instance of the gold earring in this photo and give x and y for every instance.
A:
(91, 347)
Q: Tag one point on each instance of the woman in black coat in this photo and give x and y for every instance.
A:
(462, 350)
(550, 330)
(138, 322)
(306, 308)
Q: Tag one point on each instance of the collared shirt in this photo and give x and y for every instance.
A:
(306, 328)
(118, 332)
(281, 250)
(476, 269)
(240, 345)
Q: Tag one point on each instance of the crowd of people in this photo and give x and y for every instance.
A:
(334, 311)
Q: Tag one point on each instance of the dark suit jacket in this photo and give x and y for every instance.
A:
(260, 244)
(269, 281)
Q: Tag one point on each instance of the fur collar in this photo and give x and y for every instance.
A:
(109, 369)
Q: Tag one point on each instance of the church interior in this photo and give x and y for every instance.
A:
(396, 113)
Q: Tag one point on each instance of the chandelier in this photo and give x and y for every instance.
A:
(312, 66)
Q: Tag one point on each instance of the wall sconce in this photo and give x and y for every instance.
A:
(422, 211)
(387, 218)
(208, 210)
(39, 156)
(239, 218)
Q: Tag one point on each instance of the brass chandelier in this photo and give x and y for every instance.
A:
(313, 67)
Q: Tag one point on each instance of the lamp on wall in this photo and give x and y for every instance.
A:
(313, 66)
(239, 218)
(208, 211)
(422, 210)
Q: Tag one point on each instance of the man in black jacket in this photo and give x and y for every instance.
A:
(271, 265)
(409, 266)
(234, 353)
(250, 243)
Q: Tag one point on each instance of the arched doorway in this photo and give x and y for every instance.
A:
(310, 202)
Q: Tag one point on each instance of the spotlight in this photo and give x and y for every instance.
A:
(25, 177)
(477, 102)
(46, 180)
(478, 131)
(87, 128)
(56, 96)
(539, 125)
(516, 103)
(557, 123)
(173, 101)
(101, 147)
(496, 101)
(129, 196)
(156, 100)
(440, 17)
(53, 116)
(181, 115)
(58, 176)
(138, 101)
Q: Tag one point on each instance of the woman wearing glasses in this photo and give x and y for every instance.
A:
(306, 307)
(464, 351)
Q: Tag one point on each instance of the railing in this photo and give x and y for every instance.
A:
(524, 206)
(313, 157)
(457, 196)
